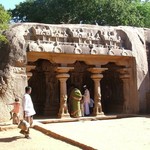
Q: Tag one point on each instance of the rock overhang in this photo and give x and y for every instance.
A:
(73, 39)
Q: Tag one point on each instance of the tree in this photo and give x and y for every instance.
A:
(119, 12)
(55, 11)
(144, 10)
(4, 19)
(103, 12)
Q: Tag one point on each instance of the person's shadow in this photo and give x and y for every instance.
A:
(5, 124)
(10, 139)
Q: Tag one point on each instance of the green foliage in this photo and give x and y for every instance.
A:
(144, 11)
(119, 12)
(4, 18)
(54, 11)
(103, 12)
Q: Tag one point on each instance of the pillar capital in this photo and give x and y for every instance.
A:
(125, 73)
(63, 69)
(63, 76)
(29, 75)
(29, 68)
(96, 77)
(125, 77)
(97, 70)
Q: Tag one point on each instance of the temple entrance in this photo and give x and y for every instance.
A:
(112, 90)
(46, 85)
(79, 77)
(45, 88)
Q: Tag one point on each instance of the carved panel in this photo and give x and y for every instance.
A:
(43, 38)
(45, 93)
(80, 76)
(112, 90)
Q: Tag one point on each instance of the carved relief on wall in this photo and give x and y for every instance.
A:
(112, 89)
(45, 87)
(44, 38)
(80, 76)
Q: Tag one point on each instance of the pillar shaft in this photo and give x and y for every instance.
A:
(125, 76)
(97, 76)
(63, 86)
(62, 77)
(126, 94)
(47, 88)
(47, 102)
(97, 95)
(63, 109)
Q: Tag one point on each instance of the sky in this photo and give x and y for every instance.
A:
(10, 4)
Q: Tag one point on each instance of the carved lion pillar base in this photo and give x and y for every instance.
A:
(97, 95)
(96, 77)
(62, 77)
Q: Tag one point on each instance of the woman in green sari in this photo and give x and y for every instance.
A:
(75, 99)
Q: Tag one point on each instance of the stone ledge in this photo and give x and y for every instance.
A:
(89, 118)
(7, 125)
(62, 138)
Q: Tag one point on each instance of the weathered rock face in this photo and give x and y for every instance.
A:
(12, 71)
(70, 39)
(147, 39)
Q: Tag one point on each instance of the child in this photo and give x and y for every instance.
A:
(15, 112)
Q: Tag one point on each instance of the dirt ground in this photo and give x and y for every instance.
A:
(13, 140)
(116, 134)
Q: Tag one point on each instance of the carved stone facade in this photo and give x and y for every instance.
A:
(111, 61)
(77, 40)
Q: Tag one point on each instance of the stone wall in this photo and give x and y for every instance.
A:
(147, 39)
(137, 38)
(13, 78)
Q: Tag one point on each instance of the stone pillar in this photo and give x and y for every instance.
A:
(47, 102)
(28, 71)
(126, 90)
(29, 75)
(62, 77)
(97, 76)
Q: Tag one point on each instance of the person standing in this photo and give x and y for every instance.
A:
(28, 108)
(91, 105)
(75, 98)
(86, 100)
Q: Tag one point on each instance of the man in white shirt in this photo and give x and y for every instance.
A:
(28, 108)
